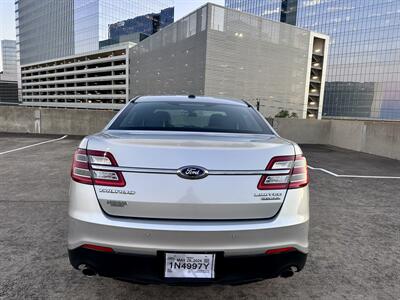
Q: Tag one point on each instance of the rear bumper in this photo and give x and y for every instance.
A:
(150, 268)
(88, 224)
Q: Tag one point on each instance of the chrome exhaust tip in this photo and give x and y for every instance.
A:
(86, 270)
(289, 272)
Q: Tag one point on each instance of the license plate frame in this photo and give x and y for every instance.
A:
(180, 265)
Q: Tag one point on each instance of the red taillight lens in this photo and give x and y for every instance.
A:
(80, 171)
(97, 248)
(280, 250)
(286, 172)
(299, 177)
(281, 166)
(87, 168)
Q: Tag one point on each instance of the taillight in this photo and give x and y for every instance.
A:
(80, 171)
(299, 177)
(287, 172)
(280, 250)
(97, 248)
(86, 168)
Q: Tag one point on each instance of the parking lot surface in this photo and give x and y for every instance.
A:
(354, 234)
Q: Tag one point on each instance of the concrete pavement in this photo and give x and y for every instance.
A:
(354, 236)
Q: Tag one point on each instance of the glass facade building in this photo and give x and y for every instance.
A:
(9, 60)
(92, 18)
(8, 92)
(276, 10)
(44, 29)
(146, 24)
(138, 28)
(48, 29)
(268, 9)
(363, 76)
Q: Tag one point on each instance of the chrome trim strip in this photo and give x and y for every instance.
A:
(248, 172)
(133, 169)
(175, 171)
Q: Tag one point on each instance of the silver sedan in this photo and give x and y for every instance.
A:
(186, 189)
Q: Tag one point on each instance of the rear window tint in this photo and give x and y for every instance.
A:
(189, 116)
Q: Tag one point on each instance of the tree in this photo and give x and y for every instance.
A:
(285, 114)
(282, 114)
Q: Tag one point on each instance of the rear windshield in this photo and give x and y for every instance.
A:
(184, 116)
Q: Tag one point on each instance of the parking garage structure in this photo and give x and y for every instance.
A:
(97, 79)
(215, 51)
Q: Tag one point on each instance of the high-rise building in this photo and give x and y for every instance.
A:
(9, 60)
(45, 29)
(92, 18)
(138, 28)
(48, 29)
(276, 10)
(8, 92)
(363, 75)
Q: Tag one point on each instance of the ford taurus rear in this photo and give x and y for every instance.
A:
(188, 190)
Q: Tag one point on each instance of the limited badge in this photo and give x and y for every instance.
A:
(116, 203)
(269, 196)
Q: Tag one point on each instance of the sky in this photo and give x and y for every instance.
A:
(7, 22)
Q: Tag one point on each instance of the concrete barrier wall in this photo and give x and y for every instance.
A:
(81, 122)
(347, 134)
(52, 121)
(374, 137)
(380, 138)
(14, 119)
(303, 131)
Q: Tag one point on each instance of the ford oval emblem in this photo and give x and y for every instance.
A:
(192, 172)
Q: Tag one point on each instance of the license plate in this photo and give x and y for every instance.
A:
(185, 265)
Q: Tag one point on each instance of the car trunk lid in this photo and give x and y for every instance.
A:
(150, 162)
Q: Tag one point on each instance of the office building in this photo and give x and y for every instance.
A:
(364, 67)
(8, 92)
(9, 60)
(138, 28)
(45, 29)
(8, 77)
(363, 74)
(48, 29)
(276, 10)
(93, 18)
